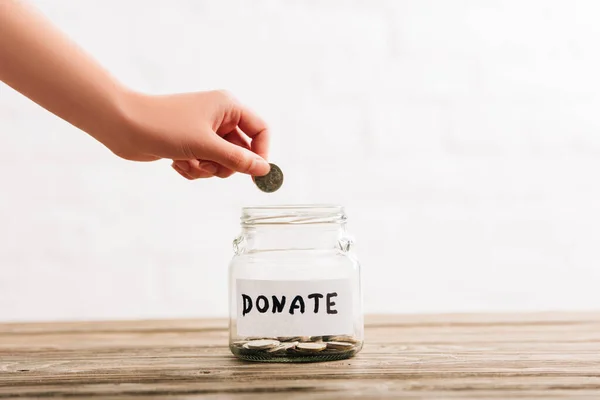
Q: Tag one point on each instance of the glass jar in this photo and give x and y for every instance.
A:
(294, 286)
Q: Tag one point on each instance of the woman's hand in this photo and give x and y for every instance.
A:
(205, 134)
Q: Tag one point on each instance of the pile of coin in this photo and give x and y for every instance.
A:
(327, 347)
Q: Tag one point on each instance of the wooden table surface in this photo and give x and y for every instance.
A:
(530, 356)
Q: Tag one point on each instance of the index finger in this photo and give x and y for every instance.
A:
(257, 130)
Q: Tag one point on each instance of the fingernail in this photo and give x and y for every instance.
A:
(208, 167)
(181, 172)
(260, 162)
(184, 166)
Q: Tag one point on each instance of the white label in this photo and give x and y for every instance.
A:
(294, 308)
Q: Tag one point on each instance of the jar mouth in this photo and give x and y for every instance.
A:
(293, 214)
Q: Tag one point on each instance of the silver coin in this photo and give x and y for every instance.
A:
(270, 182)
(311, 347)
(261, 344)
(340, 345)
(289, 338)
(341, 338)
(283, 347)
(252, 338)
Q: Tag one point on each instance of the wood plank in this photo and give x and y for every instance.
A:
(370, 320)
(548, 355)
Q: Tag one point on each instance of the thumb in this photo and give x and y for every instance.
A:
(237, 158)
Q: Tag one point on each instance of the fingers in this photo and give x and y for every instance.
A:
(199, 169)
(238, 138)
(195, 169)
(181, 172)
(236, 158)
(231, 153)
(239, 143)
(248, 121)
(257, 130)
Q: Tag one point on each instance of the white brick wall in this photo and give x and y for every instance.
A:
(462, 136)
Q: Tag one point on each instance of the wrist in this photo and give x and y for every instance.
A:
(126, 121)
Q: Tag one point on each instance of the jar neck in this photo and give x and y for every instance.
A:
(292, 228)
(298, 237)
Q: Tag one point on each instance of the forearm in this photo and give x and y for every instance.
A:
(210, 133)
(40, 62)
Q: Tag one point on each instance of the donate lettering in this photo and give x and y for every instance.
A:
(282, 304)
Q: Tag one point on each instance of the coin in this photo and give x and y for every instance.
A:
(270, 182)
(341, 338)
(283, 347)
(261, 344)
(289, 338)
(251, 338)
(311, 347)
(339, 345)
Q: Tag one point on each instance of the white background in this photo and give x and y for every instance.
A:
(462, 136)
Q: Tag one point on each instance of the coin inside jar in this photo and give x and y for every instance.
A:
(289, 338)
(340, 345)
(270, 182)
(261, 344)
(283, 347)
(311, 347)
(341, 338)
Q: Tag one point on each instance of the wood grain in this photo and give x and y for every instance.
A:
(493, 356)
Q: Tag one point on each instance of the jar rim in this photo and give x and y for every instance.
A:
(324, 206)
(293, 214)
